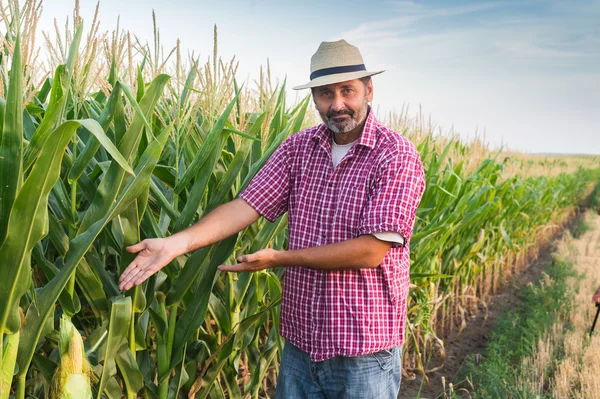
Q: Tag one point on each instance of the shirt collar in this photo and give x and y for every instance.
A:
(367, 138)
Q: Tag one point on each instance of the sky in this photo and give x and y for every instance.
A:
(523, 74)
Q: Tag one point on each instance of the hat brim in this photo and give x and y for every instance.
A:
(336, 78)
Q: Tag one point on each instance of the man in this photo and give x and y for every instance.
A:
(351, 188)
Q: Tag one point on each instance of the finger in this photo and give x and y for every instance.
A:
(232, 268)
(132, 268)
(141, 274)
(142, 277)
(137, 247)
(126, 284)
(248, 258)
(126, 275)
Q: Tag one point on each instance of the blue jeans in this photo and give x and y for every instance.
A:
(373, 376)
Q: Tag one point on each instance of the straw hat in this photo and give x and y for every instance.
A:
(336, 62)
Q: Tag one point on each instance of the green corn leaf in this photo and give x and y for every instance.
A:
(189, 81)
(94, 127)
(232, 344)
(507, 239)
(430, 275)
(136, 107)
(241, 134)
(179, 380)
(229, 376)
(46, 366)
(108, 284)
(140, 81)
(113, 389)
(110, 186)
(264, 236)
(442, 189)
(43, 91)
(197, 166)
(194, 265)
(8, 355)
(278, 121)
(61, 203)
(48, 295)
(227, 181)
(192, 317)
(164, 203)
(165, 174)
(267, 154)
(197, 192)
(69, 304)
(11, 144)
(91, 286)
(74, 49)
(28, 223)
(93, 144)
(2, 110)
(300, 113)
(51, 119)
(118, 328)
(267, 356)
(132, 376)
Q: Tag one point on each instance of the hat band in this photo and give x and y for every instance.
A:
(335, 70)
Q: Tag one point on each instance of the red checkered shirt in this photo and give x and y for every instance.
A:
(376, 188)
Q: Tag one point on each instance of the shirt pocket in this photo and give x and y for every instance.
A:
(351, 201)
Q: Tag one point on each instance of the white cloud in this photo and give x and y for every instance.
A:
(522, 78)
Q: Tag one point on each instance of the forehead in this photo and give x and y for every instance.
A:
(340, 85)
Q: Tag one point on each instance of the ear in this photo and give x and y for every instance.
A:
(370, 90)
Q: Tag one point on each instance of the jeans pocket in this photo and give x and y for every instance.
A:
(385, 358)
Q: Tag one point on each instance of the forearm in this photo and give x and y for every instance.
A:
(358, 253)
(222, 222)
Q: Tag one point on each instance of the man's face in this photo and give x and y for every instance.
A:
(343, 106)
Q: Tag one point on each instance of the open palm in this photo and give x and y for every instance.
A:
(153, 255)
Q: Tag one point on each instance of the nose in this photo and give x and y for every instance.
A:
(337, 103)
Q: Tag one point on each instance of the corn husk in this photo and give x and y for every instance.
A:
(72, 378)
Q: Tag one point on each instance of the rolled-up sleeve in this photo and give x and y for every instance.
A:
(395, 196)
(268, 192)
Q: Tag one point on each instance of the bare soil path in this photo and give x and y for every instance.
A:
(475, 337)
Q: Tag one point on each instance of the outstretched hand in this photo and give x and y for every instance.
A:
(263, 259)
(596, 297)
(153, 255)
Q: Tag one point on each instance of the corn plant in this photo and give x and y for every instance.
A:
(473, 230)
(102, 154)
(101, 171)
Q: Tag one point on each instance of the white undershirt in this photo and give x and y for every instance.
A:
(338, 152)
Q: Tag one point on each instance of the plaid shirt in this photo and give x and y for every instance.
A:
(376, 187)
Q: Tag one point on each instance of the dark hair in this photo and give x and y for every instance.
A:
(365, 81)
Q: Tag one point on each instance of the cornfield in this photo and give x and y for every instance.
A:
(117, 143)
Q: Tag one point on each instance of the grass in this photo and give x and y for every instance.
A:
(502, 372)
(543, 349)
(581, 227)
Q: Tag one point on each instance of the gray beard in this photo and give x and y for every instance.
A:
(349, 125)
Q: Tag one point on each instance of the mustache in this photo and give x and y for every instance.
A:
(333, 114)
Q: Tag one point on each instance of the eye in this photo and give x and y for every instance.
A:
(325, 94)
(346, 91)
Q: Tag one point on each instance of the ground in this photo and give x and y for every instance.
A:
(474, 337)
